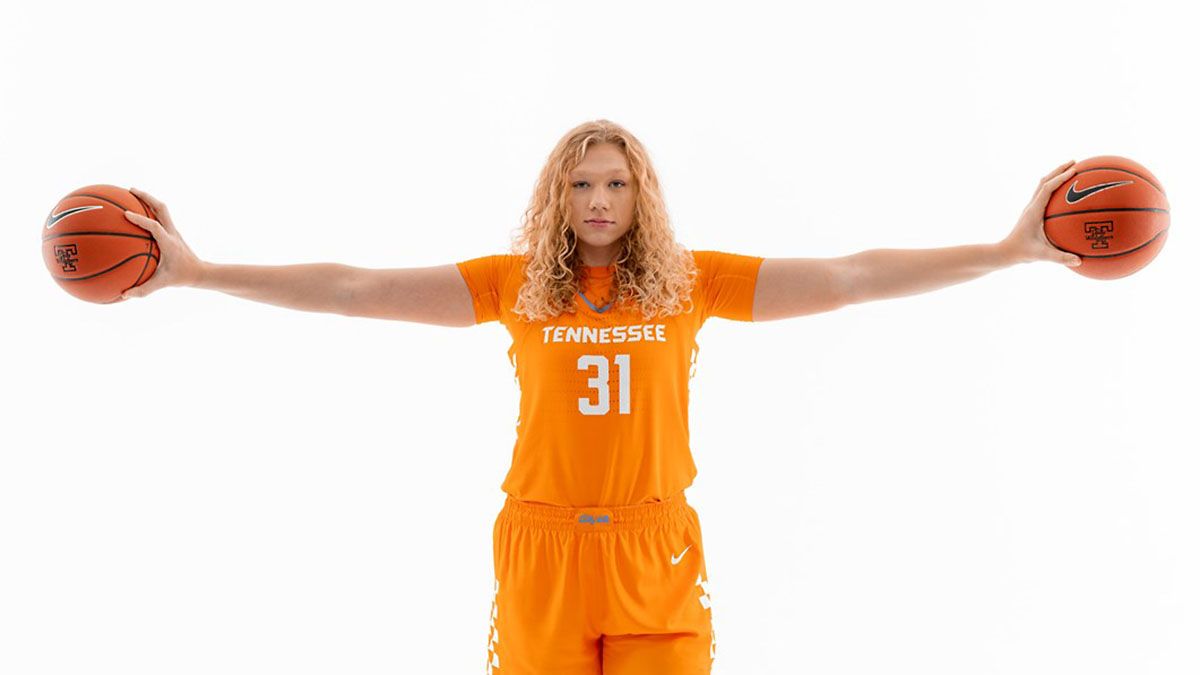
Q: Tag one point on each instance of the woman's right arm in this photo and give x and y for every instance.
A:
(434, 295)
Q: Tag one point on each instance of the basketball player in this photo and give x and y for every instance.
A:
(598, 558)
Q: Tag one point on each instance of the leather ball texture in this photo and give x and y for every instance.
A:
(1112, 213)
(91, 250)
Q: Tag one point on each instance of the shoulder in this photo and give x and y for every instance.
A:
(499, 264)
(720, 263)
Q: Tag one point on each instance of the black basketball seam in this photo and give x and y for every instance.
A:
(102, 234)
(1074, 213)
(106, 199)
(103, 199)
(149, 213)
(90, 276)
(1132, 173)
(149, 252)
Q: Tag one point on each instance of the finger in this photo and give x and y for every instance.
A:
(1038, 191)
(1057, 170)
(148, 198)
(155, 227)
(1061, 178)
(157, 208)
(1071, 260)
(1052, 184)
(137, 292)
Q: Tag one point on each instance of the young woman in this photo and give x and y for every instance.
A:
(598, 557)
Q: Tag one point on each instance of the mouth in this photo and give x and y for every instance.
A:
(599, 222)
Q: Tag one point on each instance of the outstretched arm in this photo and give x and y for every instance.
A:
(790, 287)
(433, 295)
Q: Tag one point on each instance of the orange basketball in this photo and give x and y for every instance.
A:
(1112, 213)
(92, 250)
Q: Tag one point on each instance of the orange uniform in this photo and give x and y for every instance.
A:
(604, 395)
(587, 574)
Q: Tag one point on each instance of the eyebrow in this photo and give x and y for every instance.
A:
(612, 172)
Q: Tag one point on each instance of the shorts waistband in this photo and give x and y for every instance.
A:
(592, 518)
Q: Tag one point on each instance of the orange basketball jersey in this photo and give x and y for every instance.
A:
(604, 393)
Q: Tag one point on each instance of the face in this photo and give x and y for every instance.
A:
(601, 188)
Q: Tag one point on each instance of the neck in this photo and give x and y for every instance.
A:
(598, 257)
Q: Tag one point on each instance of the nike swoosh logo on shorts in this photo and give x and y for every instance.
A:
(54, 218)
(1074, 195)
(675, 559)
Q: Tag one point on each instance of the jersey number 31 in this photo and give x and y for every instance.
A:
(600, 384)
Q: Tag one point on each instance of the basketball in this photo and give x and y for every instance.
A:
(91, 248)
(1112, 213)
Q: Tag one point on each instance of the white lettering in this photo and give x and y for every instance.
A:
(605, 335)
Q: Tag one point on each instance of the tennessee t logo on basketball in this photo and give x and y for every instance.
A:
(66, 255)
(92, 250)
(1133, 214)
(1099, 233)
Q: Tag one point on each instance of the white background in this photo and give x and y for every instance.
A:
(997, 477)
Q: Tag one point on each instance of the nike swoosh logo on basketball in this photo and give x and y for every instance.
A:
(54, 218)
(1074, 195)
(675, 559)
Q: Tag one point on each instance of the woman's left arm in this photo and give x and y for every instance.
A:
(879, 274)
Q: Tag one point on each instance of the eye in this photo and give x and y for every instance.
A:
(584, 182)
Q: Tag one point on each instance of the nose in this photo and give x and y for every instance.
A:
(599, 201)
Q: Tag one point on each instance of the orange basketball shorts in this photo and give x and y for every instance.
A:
(608, 590)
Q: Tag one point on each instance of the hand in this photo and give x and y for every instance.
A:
(1028, 241)
(177, 265)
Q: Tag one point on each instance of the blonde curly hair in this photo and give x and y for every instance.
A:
(651, 269)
